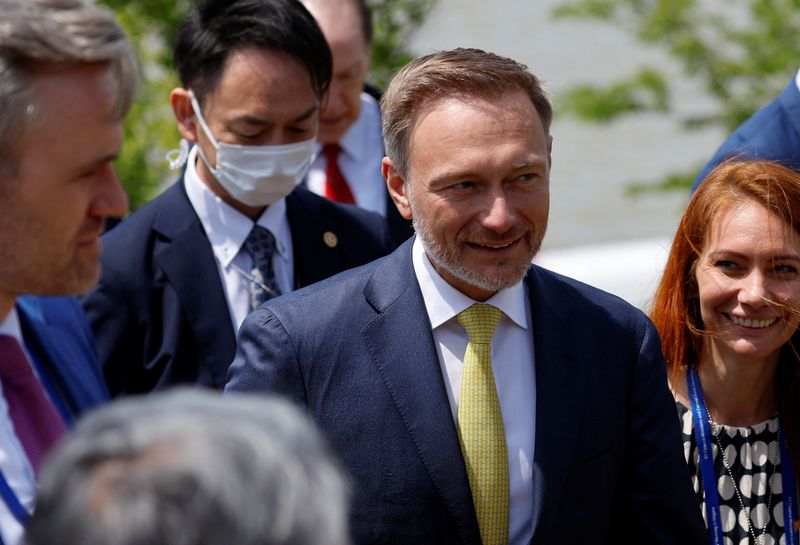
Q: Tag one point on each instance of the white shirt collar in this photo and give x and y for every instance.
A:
(226, 227)
(443, 301)
(10, 325)
(797, 80)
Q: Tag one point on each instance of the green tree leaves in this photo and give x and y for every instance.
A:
(742, 52)
(645, 91)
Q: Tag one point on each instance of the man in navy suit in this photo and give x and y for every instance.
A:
(772, 133)
(67, 77)
(180, 275)
(476, 398)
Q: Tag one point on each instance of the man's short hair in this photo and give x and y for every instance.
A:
(190, 467)
(39, 34)
(457, 73)
(215, 29)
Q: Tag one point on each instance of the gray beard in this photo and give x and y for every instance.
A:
(450, 261)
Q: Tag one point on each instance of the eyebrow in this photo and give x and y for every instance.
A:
(529, 164)
(252, 120)
(90, 165)
(456, 173)
(107, 158)
(308, 113)
(730, 253)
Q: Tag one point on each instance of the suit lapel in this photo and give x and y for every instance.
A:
(401, 345)
(314, 259)
(187, 261)
(61, 362)
(560, 385)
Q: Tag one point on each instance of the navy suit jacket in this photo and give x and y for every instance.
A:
(772, 133)
(357, 350)
(60, 342)
(159, 312)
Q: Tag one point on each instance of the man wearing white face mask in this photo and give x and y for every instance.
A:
(256, 176)
(180, 275)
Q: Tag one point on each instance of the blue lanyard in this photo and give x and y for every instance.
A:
(12, 502)
(702, 433)
(789, 492)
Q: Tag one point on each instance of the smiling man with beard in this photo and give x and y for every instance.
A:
(476, 398)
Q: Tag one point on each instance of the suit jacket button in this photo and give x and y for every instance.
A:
(330, 239)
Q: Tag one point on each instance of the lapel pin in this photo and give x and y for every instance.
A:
(330, 239)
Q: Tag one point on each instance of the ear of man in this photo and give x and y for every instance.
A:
(398, 189)
(184, 114)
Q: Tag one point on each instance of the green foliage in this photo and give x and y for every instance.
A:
(150, 127)
(742, 52)
(646, 91)
(672, 182)
(393, 22)
(144, 19)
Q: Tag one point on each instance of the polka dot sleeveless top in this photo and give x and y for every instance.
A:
(752, 456)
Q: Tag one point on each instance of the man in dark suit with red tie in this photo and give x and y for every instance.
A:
(348, 165)
(67, 77)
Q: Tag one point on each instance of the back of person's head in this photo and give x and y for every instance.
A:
(217, 28)
(190, 467)
(459, 73)
(40, 35)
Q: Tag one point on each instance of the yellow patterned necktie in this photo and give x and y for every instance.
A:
(480, 426)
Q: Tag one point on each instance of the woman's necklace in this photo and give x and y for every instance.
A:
(703, 433)
(715, 432)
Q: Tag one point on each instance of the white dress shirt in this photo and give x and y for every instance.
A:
(14, 463)
(513, 367)
(359, 160)
(227, 230)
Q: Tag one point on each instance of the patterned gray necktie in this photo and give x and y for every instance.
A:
(261, 245)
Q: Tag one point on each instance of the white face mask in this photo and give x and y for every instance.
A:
(257, 175)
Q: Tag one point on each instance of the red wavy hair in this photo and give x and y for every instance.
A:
(676, 305)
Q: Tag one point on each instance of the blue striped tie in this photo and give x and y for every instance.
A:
(261, 245)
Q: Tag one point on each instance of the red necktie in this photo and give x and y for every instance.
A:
(36, 421)
(336, 188)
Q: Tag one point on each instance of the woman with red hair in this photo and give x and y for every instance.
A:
(728, 309)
